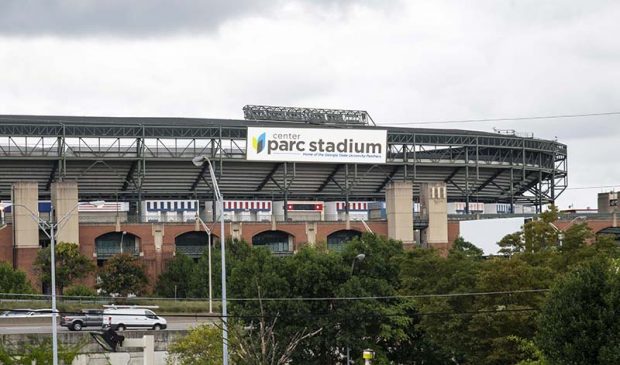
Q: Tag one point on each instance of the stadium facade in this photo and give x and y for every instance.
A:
(304, 176)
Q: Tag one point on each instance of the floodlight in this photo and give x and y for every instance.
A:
(199, 160)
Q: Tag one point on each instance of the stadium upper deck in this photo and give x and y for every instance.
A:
(132, 159)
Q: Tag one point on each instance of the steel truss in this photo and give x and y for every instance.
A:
(139, 158)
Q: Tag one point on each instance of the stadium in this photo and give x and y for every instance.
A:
(279, 194)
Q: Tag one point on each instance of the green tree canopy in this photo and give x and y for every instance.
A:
(123, 274)
(535, 236)
(388, 326)
(13, 281)
(80, 291)
(176, 276)
(581, 321)
(71, 265)
(465, 247)
(201, 346)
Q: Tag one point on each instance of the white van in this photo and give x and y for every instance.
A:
(123, 317)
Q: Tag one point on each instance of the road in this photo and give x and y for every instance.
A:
(41, 326)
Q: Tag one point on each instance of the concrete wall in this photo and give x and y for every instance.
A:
(434, 207)
(25, 228)
(92, 353)
(25, 197)
(64, 201)
(399, 211)
(608, 203)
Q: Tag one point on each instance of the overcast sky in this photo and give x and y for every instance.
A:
(403, 61)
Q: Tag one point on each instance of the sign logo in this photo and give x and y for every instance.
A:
(317, 145)
(259, 143)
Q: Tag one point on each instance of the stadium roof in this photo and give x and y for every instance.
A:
(141, 157)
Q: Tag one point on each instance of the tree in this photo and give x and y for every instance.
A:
(465, 247)
(501, 317)
(580, 324)
(511, 243)
(386, 325)
(425, 272)
(174, 282)
(80, 291)
(259, 344)
(13, 281)
(123, 274)
(576, 237)
(236, 252)
(71, 265)
(201, 346)
(37, 351)
(535, 236)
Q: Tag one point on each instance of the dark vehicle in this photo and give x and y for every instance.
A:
(77, 321)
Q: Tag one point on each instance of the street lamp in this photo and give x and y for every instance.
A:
(360, 257)
(198, 161)
(561, 232)
(1, 214)
(209, 250)
(122, 237)
(53, 229)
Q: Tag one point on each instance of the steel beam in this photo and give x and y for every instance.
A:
(389, 178)
(329, 178)
(488, 181)
(50, 180)
(268, 177)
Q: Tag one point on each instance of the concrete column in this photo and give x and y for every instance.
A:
(64, 202)
(236, 229)
(399, 211)
(158, 237)
(158, 232)
(311, 228)
(434, 207)
(25, 197)
(607, 202)
(25, 227)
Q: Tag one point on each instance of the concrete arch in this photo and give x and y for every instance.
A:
(112, 243)
(337, 239)
(611, 231)
(277, 241)
(193, 243)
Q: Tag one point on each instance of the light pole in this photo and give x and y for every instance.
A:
(1, 214)
(360, 257)
(204, 226)
(122, 237)
(198, 161)
(561, 232)
(53, 230)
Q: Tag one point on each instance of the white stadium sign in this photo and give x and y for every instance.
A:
(316, 145)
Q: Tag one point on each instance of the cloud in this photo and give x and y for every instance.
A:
(405, 62)
(135, 17)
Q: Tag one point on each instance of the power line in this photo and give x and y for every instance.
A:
(485, 120)
(593, 187)
(388, 297)
(300, 315)
(299, 299)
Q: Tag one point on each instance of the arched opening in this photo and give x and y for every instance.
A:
(114, 243)
(194, 243)
(610, 231)
(336, 241)
(278, 242)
